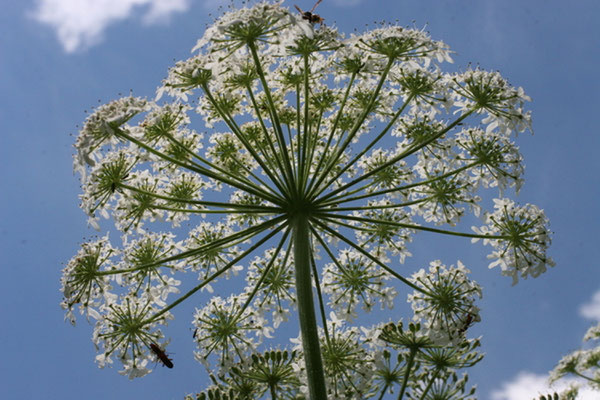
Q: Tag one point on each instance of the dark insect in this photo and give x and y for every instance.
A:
(161, 355)
(195, 332)
(309, 16)
(468, 322)
(113, 186)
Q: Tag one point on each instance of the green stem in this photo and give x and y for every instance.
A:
(230, 240)
(328, 216)
(274, 118)
(342, 198)
(331, 133)
(224, 171)
(237, 132)
(298, 127)
(302, 178)
(215, 275)
(306, 309)
(333, 233)
(397, 158)
(392, 205)
(409, 364)
(371, 144)
(585, 377)
(339, 149)
(313, 147)
(226, 206)
(264, 274)
(257, 191)
(270, 143)
(383, 391)
(200, 211)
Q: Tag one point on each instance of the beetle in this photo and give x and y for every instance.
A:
(162, 356)
(309, 16)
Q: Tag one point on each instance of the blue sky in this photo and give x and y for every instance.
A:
(58, 58)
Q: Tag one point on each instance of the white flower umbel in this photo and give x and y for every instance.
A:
(127, 329)
(496, 160)
(99, 129)
(446, 303)
(84, 280)
(347, 364)
(143, 260)
(225, 329)
(316, 158)
(353, 280)
(523, 238)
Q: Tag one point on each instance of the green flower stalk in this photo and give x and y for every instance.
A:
(326, 154)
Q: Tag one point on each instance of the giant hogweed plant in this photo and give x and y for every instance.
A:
(326, 154)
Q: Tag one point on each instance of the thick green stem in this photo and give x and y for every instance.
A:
(306, 309)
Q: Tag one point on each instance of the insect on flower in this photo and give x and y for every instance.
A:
(113, 186)
(161, 355)
(469, 320)
(308, 15)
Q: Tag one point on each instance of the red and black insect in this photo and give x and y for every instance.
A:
(161, 355)
(469, 320)
(309, 16)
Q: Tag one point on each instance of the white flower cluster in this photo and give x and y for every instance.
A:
(228, 330)
(488, 92)
(522, 238)
(81, 283)
(127, 329)
(353, 280)
(390, 176)
(412, 45)
(124, 320)
(99, 129)
(496, 160)
(445, 303)
(300, 154)
(368, 362)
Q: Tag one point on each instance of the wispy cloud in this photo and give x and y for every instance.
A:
(591, 310)
(529, 386)
(81, 23)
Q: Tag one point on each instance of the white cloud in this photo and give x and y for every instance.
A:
(81, 23)
(529, 386)
(591, 310)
